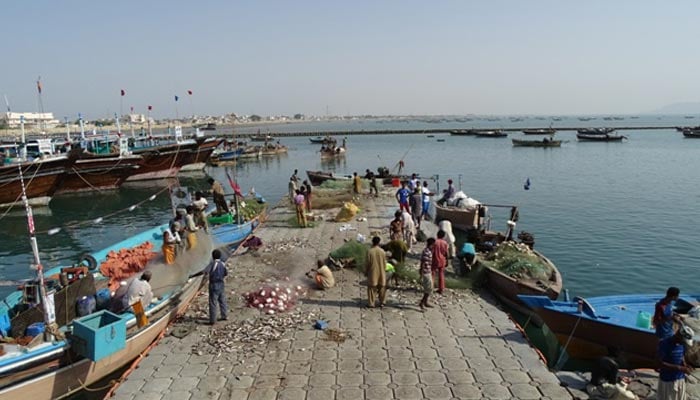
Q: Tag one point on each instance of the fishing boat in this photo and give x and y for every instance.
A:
(544, 131)
(251, 153)
(196, 159)
(44, 177)
(97, 172)
(606, 137)
(260, 138)
(333, 152)
(209, 126)
(536, 143)
(491, 134)
(318, 177)
(50, 351)
(463, 132)
(691, 133)
(225, 157)
(475, 220)
(323, 140)
(596, 131)
(273, 149)
(588, 327)
(227, 231)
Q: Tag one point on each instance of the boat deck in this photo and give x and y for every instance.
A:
(465, 347)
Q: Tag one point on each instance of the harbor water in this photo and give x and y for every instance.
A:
(614, 217)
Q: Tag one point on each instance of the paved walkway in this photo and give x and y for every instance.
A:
(464, 348)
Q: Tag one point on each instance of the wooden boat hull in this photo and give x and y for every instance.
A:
(322, 141)
(41, 178)
(231, 234)
(318, 177)
(604, 322)
(536, 143)
(584, 137)
(333, 154)
(196, 158)
(508, 287)
(98, 172)
(163, 161)
(71, 378)
(464, 219)
(549, 131)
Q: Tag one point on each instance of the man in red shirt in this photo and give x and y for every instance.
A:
(440, 254)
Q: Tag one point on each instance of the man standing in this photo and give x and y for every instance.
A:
(426, 199)
(292, 189)
(396, 227)
(190, 228)
(376, 274)
(440, 254)
(299, 204)
(216, 273)
(673, 368)
(402, 197)
(416, 203)
(664, 315)
(200, 207)
(409, 229)
(307, 195)
(356, 184)
(426, 277)
(219, 200)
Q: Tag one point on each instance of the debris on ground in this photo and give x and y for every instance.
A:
(335, 335)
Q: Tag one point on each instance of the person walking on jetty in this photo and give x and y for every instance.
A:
(217, 192)
(427, 194)
(292, 189)
(402, 197)
(440, 254)
(294, 177)
(396, 227)
(307, 195)
(426, 273)
(216, 272)
(416, 203)
(356, 184)
(673, 368)
(664, 317)
(190, 228)
(372, 182)
(376, 274)
(200, 207)
(299, 200)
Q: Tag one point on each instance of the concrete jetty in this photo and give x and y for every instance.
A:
(464, 348)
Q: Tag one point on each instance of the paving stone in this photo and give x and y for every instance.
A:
(374, 364)
(327, 355)
(212, 383)
(377, 378)
(459, 377)
(271, 394)
(131, 387)
(184, 384)
(322, 380)
(401, 364)
(454, 364)
(487, 376)
(267, 382)
(176, 358)
(206, 394)
(399, 352)
(151, 361)
(299, 355)
(408, 393)
(432, 378)
(294, 381)
(349, 354)
(405, 378)
(148, 396)
(428, 364)
(378, 393)
(554, 391)
(495, 391)
(524, 391)
(179, 395)
(160, 385)
(466, 391)
(349, 393)
(515, 376)
(167, 371)
(297, 367)
(323, 366)
(437, 393)
(271, 368)
(240, 382)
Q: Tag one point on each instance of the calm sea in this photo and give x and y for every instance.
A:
(614, 217)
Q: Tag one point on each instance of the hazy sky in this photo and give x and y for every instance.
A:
(352, 57)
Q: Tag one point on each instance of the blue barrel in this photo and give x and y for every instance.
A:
(86, 305)
(35, 329)
(102, 298)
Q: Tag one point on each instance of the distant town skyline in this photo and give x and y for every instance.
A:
(356, 58)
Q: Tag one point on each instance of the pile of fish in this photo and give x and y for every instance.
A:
(275, 298)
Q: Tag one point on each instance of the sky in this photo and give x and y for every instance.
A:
(349, 57)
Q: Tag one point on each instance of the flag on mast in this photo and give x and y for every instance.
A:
(123, 92)
(38, 85)
(189, 92)
(234, 185)
(150, 108)
(176, 98)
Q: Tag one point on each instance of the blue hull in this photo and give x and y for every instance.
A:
(231, 234)
(606, 322)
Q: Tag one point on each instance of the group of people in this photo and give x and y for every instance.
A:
(414, 199)
(300, 197)
(186, 224)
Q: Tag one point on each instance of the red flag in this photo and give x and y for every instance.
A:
(150, 108)
(132, 108)
(234, 185)
(189, 92)
(38, 86)
(123, 92)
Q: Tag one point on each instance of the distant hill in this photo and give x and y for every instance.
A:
(691, 107)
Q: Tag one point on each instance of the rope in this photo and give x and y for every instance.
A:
(561, 356)
(19, 196)
(99, 389)
(84, 180)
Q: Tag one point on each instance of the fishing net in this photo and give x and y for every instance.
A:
(351, 252)
(518, 261)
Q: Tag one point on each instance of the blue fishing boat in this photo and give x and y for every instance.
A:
(231, 233)
(588, 328)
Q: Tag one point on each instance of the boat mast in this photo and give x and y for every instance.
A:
(35, 250)
(23, 150)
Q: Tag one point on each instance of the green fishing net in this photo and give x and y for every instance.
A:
(519, 261)
(354, 250)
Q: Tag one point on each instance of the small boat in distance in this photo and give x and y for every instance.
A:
(463, 132)
(544, 131)
(606, 137)
(691, 133)
(491, 134)
(260, 138)
(546, 142)
(323, 140)
(596, 131)
(209, 126)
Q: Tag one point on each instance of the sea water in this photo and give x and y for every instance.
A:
(614, 217)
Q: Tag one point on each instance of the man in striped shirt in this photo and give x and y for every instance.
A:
(426, 273)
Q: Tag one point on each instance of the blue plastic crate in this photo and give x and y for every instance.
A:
(99, 335)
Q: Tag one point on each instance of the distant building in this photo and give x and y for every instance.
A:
(39, 120)
(137, 118)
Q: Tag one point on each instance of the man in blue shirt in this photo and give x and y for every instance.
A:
(402, 197)
(672, 371)
(216, 272)
(664, 315)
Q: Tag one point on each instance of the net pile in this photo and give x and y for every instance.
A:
(518, 261)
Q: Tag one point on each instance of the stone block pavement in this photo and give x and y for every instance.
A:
(464, 348)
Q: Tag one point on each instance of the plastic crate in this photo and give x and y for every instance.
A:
(99, 335)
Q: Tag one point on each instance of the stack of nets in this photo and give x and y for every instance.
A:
(351, 253)
(518, 261)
